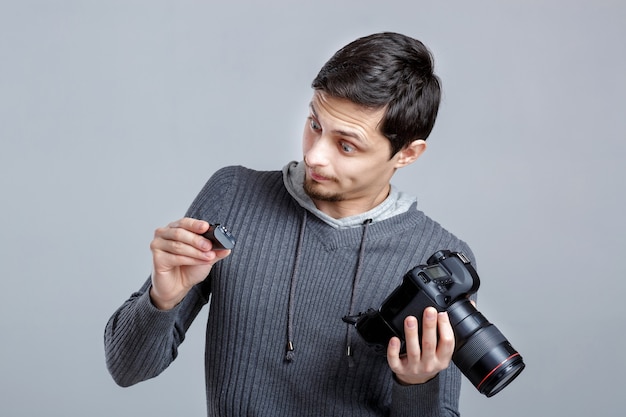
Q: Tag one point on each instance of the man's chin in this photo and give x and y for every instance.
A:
(316, 193)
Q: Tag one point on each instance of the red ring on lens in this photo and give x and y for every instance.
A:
(495, 369)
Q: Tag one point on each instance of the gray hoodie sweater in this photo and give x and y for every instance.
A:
(275, 341)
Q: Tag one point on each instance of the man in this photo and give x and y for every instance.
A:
(327, 237)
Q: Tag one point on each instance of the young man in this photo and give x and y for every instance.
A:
(327, 237)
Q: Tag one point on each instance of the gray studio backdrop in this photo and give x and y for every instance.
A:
(114, 113)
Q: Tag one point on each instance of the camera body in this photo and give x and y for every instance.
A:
(447, 278)
(446, 283)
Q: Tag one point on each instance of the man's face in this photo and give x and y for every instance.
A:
(348, 165)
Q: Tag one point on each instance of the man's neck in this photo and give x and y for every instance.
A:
(351, 207)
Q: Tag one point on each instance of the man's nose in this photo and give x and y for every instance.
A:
(318, 153)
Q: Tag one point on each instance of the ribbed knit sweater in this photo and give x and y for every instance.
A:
(291, 277)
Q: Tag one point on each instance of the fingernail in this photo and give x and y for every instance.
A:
(431, 315)
(411, 322)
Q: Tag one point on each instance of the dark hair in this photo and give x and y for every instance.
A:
(387, 70)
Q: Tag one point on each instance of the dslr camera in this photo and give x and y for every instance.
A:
(481, 352)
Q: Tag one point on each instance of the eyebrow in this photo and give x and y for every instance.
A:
(346, 133)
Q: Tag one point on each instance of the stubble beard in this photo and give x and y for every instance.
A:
(312, 189)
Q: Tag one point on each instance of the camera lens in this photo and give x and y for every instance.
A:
(498, 375)
(482, 352)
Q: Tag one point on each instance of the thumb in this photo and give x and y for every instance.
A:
(221, 254)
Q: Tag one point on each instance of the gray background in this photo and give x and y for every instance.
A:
(114, 113)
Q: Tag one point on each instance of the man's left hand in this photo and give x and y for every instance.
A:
(421, 364)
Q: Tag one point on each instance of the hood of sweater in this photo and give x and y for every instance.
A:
(396, 203)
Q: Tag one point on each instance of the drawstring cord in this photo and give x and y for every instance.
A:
(292, 290)
(355, 283)
(289, 355)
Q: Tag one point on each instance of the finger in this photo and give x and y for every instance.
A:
(445, 346)
(193, 225)
(182, 232)
(222, 253)
(179, 242)
(393, 354)
(176, 247)
(164, 262)
(184, 254)
(412, 340)
(429, 334)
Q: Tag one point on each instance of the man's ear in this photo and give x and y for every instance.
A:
(410, 153)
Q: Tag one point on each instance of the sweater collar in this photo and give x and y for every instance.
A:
(396, 203)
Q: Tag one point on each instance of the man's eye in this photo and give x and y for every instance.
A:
(346, 147)
(314, 125)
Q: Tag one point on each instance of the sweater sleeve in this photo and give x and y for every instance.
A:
(438, 397)
(141, 341)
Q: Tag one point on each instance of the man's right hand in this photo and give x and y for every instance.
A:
(182, 258)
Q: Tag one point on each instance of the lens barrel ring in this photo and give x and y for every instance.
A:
(479, 344)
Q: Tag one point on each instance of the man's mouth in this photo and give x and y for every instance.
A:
(315, 176)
